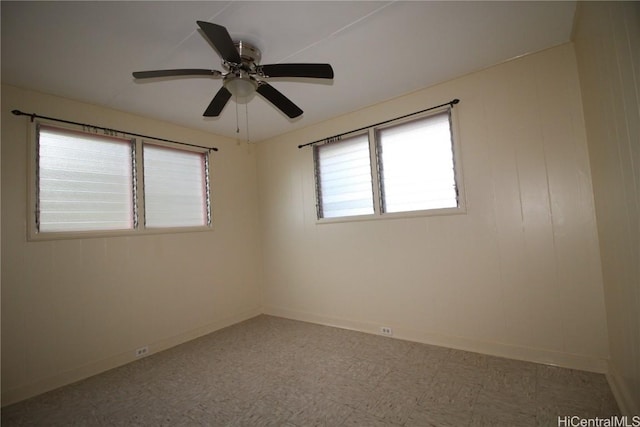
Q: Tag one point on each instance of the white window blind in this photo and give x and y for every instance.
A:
(416, 165)
(85, 182)
(344, 178)
(175, 187)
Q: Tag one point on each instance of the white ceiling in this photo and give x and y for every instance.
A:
(379, 50)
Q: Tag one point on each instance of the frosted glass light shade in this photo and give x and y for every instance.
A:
(241, 89)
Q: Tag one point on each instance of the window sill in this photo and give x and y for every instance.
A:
(68, 235)
(394, 215)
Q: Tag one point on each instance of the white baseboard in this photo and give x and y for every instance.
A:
(547, 357)
(68, 377)
(627, 404)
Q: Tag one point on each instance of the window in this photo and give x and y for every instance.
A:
(175, 187)
(416, 165)
(345, 185)
(413, 169)
(87, 183)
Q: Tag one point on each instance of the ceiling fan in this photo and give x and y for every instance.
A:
(244, 75)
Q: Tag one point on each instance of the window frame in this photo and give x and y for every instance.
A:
(139, 229)
(376, 170)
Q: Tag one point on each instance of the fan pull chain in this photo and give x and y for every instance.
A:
(246, 115)
(237, 120)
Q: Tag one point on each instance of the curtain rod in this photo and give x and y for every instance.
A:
(33, 116)
(339, 136)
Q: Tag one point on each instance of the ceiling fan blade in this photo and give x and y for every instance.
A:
(280, 101)
(318, 71)
(174, 73)
(219, 36)
(217, 103)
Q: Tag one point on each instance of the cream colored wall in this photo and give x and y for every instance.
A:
(607, 42)
(71, 308)
(518, 275)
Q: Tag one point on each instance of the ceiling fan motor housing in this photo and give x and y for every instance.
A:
(248, 52)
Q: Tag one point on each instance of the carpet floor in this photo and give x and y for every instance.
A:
(269, 371)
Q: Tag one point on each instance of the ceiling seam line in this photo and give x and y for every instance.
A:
(338, 31)
(168, 54)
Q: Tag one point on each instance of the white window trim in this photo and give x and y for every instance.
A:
(461, 209)
(32, 198)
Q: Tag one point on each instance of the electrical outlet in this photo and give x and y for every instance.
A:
(385, 330)
(142, 351)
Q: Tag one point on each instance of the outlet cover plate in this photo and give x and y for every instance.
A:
(386, 330)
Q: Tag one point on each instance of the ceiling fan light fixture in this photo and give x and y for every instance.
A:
(242, 89)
